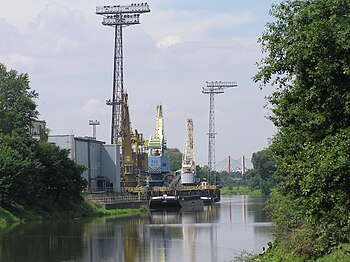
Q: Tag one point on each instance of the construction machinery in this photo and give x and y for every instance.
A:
(158, 164)
(188, 167)
(133, 156)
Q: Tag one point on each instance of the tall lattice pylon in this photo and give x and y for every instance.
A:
(214, 88)
(119, 16)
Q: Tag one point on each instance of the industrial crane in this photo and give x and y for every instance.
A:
(188, 167)
(158, 164)
(133, 156)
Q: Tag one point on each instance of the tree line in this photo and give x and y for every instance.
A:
(33, 172)
(306, 168)
(307, 60)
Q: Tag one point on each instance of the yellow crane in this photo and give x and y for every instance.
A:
(133, 156)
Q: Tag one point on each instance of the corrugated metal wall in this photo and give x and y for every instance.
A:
(110, 165)
(102, 162)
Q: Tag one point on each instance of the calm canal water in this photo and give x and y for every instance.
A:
(217, 233)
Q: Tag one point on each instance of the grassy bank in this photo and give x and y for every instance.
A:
(7, 218)
(20, 214)
(340, 254)
(239, 190)
(119, 213)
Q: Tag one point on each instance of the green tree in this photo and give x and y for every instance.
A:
(17, 106)
(32, 172)
(175, 158)
(262, 176)
(61, 181)
(308, 57)
(18, 172)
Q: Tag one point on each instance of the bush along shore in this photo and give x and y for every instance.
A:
(18, 214)
(239, 190)
(340, 253)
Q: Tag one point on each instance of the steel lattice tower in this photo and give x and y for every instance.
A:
(214, 88)
(119, 17)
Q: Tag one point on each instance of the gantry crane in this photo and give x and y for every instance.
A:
(158, 164)
(133, 157)
(188, 166)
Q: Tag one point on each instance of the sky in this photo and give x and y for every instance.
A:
(168, 58)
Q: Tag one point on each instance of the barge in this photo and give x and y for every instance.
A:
(176, 202)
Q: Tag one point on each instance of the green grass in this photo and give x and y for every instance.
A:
(119, 213)
(19, 214)
(241, 190)
(7, 218)
(278, 254)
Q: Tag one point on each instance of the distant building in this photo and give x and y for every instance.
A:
(38, 128)
(101, 161)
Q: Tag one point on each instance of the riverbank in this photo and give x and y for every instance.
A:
(239, 190)
(20, 214)
(340, 254)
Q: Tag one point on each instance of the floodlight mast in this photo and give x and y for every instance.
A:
(119, 16)
(94, 123)
(214, 88)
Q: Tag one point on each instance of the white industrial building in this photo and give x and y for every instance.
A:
(102, 161)
(38, 128)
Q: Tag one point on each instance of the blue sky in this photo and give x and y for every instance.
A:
(179, 46)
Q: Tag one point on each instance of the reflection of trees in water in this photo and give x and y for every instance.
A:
(256, 207)
(247, 209)
(166, 226)
(103, 238)
(42, 242)
(251, 209)
(113, 240)
(161, 236)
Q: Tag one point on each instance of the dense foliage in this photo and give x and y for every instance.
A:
(175, 158)
(33, 173)
(262, 176)
(308, 60)
(17, 107)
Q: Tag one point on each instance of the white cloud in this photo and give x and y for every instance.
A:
(94, 107)
(167, 58)
(56, 29)
(193, 25)
(169, 41)
(18, 61)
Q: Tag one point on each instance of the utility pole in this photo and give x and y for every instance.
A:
(119, 16)
(214, 88)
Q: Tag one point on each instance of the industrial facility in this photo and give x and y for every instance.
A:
(131, 165)
(101, 161)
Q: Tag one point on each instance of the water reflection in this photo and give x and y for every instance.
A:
(217, 233)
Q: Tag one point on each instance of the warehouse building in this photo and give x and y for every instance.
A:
(102, 162)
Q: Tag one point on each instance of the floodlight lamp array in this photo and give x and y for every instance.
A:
(213, 90)
(221, 84)
(94, 122)
(117, 9)
(121, 19)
